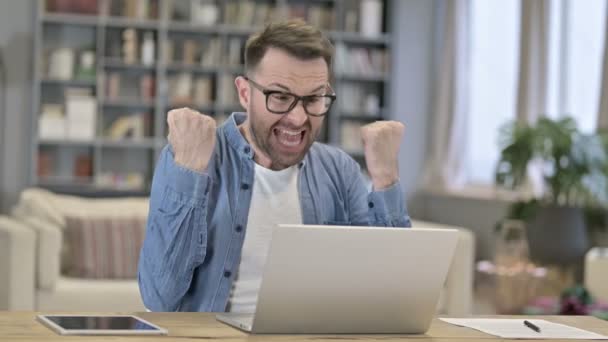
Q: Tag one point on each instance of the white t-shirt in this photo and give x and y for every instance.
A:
(274, 200)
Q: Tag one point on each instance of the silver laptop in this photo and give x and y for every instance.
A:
(334, 279)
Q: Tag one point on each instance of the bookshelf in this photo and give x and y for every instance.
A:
(107, 71)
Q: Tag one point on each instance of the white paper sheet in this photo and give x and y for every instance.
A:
(515, 328)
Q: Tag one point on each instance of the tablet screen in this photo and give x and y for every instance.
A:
(100, 323)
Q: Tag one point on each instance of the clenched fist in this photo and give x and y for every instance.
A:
(381, 141)
(192, 136)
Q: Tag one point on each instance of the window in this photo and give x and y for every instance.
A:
(576, 46)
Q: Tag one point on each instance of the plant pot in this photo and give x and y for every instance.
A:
(558, 235)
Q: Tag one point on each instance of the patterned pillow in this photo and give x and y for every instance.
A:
(104, 247)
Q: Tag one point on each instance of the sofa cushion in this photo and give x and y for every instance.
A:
(47, 211)
(103, 247)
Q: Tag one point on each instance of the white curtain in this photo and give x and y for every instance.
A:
(602, 118)
(446, 165)
(532, 99)
(533, 83)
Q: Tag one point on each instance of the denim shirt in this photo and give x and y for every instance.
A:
(197, 221)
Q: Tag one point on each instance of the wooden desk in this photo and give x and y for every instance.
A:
(22, 326)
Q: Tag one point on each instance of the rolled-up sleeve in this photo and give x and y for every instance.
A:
(176, 234)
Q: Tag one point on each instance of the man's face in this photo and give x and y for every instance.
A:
(282, 140)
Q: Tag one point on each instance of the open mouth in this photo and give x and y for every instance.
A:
(289, 138)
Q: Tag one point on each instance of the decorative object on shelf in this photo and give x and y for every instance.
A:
(130, 126)
(61, 66)
(86, 67)
(52, 122)
(147, 85)
(83, 166)
(371, 18)
(129, 46)
(181, 89)
(372, 105)
(573, 174)
(148, 49)
(44, 164)
(204, 12)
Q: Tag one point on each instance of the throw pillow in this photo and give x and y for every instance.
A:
(104, 247)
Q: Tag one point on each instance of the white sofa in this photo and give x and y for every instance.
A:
(31, 245)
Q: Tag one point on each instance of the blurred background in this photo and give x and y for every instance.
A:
(505, 105)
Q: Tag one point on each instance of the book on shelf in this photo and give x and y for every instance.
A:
(316, 17)
(231, 12)
(297, 11)
(355, 98)
(113, 86)
(180, 89)
(261, 14)
(234, 51)
(360, 61)
(210, 54)
(169, 51)
(136, 9)
(227, 94)
(81, 115)
(203, 91)
(129, 46)
(190, 47)
(245, 12)
(350, 135)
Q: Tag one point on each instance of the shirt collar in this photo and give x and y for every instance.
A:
(234, 136)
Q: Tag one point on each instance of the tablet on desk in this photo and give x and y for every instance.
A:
(100, 325)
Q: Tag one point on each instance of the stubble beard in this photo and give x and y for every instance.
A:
(262, 140)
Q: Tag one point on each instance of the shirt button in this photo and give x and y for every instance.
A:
(247, 149)
(227, 274)
(370, 205)
(239, 228)
(245, 186)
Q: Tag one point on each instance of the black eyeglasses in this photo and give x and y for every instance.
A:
(280, 102)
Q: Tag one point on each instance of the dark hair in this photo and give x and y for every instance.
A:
(294, 36)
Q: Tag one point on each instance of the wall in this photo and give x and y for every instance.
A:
(16, 32)
(415, 26)
(413, 31)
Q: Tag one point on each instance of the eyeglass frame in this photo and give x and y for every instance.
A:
(267, 92)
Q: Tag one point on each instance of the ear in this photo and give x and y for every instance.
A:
(242, 89)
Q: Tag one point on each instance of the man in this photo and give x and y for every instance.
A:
(217, 192)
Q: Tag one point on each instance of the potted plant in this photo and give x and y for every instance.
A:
(574, 181)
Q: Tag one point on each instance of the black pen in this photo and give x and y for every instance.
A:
(532, 326)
